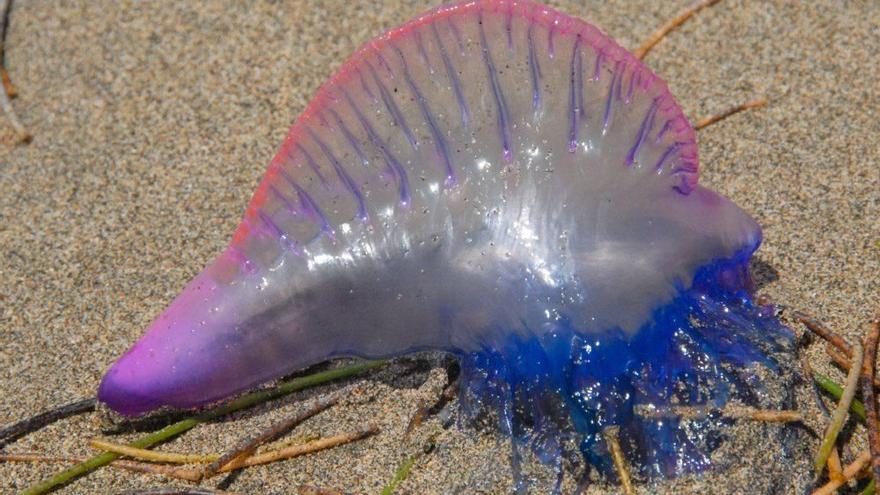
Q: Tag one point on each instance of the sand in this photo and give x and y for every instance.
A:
(153, 122)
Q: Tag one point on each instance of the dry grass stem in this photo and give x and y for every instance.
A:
(610, 434)
(820, 329)
(840, 413)
(247, 447)
(870, 397)
(315, 490)
(670, 26)
(835, 467)
(34, 423)
(707, 121)
(735, 412)
(851, 471)
(153, 455)
(134, 466)
(169, 490)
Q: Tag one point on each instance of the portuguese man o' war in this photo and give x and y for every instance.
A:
(503, 182)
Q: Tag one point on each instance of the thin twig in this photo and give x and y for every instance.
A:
(870, 398)
(298, 450)
(175, 429)
(841, 412)
(316, 490)
(817, 396)
(153, 455)
(841, 360)
(734, 412)
(707, 121)
(836, 391)
(294, 440)
(23, 135)
(5, 9)
(852, 470)
(610, 433)
(835, 468)
(197, 474)
(176, 491)
(820, 329)
(134, 466)
(400, 475)
(248, 446)
(671, 25)
(34, 423)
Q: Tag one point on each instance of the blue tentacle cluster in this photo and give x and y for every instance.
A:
(566, 386)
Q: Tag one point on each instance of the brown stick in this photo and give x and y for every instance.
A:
(196, 474)
(851, 471)
(671, 25)
(34, 423)
(819, 328)
(315, 490)
(298, 450)
(610, 434)
(835, 468)
(735, 412)
(247, 447)
(870, 398)
(707, 121)
(11, 92)
(841, 360)
(176, 491)
(152, 455)
(135, 466)
(23, 135)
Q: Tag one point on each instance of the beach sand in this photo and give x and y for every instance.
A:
(154, 121)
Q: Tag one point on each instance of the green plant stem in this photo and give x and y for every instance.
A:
(836, 391)
(400, 475)
(838, 418)
(175, 429)
(871, 489)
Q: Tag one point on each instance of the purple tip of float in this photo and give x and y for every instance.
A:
(183, 361)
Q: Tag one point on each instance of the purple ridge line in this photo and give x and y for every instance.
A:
(597, 72)
(669, 150)
(573, 98)
(620, 81)
(453, 77)
(366, 89)
(391, 162)
(384, 64)
(396, 116)
(439, 140)
(274, 228)
(644, 130)
(550, 48)
(629, 89)
(457, 35)
(579, 79)
(500, 104)
(343, 176)
(287, 204)
(309, 205)
(610, 98)
(535, 71)
(350, 138)
(312, 164)
(422, 54)
(663, 130)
